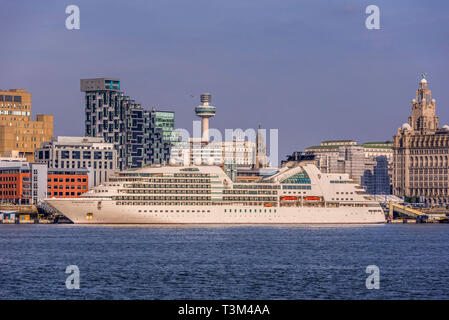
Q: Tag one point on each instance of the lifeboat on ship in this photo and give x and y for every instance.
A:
(289, 198)
(312, 198)
(267, 205)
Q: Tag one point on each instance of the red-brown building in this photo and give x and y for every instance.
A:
(15, 185)
(67, 183)
(23, 183)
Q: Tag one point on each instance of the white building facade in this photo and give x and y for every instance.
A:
(80, 152)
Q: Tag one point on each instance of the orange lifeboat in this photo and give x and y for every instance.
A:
(267, 205)
(312, 198)
(289, 198)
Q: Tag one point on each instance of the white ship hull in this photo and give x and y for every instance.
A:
(100, 211)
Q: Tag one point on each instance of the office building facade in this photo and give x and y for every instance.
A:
(17, 131)
(68, 183)
(22, 183)
(78, 153)
(135, 132)
(368, 164)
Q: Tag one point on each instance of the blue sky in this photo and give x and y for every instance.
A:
(308, 68)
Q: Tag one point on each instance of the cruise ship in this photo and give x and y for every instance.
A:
(206, 195)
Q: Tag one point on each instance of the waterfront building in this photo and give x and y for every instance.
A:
(339, 156)
(22, 182)
(141, 137)
(148, 139)
(25, 183)
(136, 128)
(80, 152)
(377, 177)
(421, 150)
(17, 131)
(163, 121)
(378, 149)
(368, 164)
(68, 183)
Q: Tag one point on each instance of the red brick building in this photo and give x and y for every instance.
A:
(15, 185)
(23, 183)
(67, 183)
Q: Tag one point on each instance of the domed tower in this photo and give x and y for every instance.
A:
(423, 116)
(205, 111)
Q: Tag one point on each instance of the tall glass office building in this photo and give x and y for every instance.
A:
(165, 121)
(141, 137)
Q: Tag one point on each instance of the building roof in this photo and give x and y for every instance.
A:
(323, 147)
(327, 141)
(382, 142)
(377, 146)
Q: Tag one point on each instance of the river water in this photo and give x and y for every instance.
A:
(224, 262)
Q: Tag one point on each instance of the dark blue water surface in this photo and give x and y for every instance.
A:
(224, 262)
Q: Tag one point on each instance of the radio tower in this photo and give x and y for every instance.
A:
(205, 111)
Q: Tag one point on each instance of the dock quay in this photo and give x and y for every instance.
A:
(41, 220)
(29, 215)
(399, 213)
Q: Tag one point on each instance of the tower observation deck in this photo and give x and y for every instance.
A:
(205, 111)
